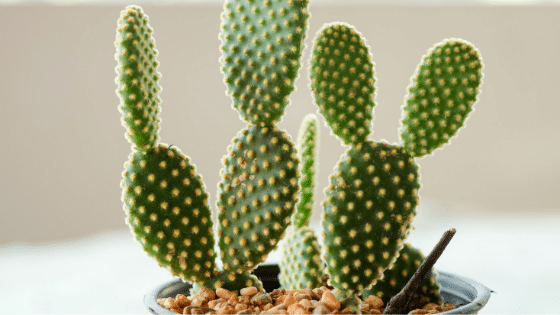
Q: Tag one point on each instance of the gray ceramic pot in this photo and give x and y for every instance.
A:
(468, 294)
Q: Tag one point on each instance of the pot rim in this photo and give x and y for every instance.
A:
(450, 285)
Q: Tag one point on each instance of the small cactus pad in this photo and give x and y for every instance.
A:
(257, 195)
(229, 280)
(261, 45)
(396, 278)
(441, 96)
(343, 82)
(137, 79)
(369, 206)
(167, 211)
(307, 153)
(301, 266)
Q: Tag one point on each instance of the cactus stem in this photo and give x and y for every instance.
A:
(399, 303)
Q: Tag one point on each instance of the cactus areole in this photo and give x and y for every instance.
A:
(268, 182)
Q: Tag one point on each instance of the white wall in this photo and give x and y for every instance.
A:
(62, 146)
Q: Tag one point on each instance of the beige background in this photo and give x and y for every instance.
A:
(62, 147)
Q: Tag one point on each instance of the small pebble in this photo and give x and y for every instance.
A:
(250, 291)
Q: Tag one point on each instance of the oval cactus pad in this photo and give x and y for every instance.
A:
(261, 45)
(137, 79)
(257, 195)
(167, 211)
(369, 206)
(342, 81)
(301, 266)
(441, 96)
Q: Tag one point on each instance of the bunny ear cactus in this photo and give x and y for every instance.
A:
(373, 193)
(165, 199)
(301, 266)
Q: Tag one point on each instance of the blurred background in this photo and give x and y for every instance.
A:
(62, 146)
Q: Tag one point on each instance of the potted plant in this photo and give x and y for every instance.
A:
(373, 193)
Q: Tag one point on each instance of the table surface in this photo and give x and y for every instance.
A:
(516, 254)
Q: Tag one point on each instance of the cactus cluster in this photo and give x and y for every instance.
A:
(373, 192)
(267, 183)
(164, 198)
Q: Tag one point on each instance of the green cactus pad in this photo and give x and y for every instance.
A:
(167, 211)
(301, 266)
(307, 153)
(396, 278)
(369, 206)
(261, 45)
(257, 195)
(343, 82)
(137, 79)
(229, 280)
(441, 96)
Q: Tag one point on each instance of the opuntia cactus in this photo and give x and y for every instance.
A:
(373, 193)
(164, 198)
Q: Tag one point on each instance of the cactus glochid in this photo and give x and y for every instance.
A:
(372, 195)
(164, 198)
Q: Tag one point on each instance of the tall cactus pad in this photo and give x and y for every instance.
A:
(396, 278)
(441, 96)
(257, 195)
(307, 153)
(342, 81)
(369, 206)
(137, 79)
(262, 43)
(301, 266)
(167, 211)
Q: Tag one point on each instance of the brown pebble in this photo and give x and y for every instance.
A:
(330, 301)
(250, 291)
(432, 306)
(170, 303)
(318, 292)
(297, 309)
(306, 303)
(224, 293)
(278, 292)
(302, 296)
(261, 299)
(182, 301)
(240, 307)
(226, 309)
(277, 308)
(418, 311)
(364, 307)
(345, 311)
(374, 301)
(280, 300)
(268, 306)
(289, 300)
(321, 308)
(244, 312)
(197, 310)
(447, 307)
(199, 301)
(206, 294)
(375, 311)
